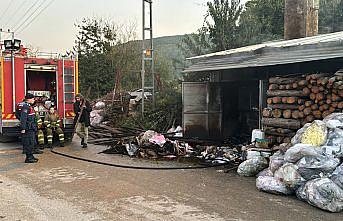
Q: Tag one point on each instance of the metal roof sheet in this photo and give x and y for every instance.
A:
(314, 48)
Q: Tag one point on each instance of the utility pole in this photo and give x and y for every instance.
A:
(301, 18)
(147, 51)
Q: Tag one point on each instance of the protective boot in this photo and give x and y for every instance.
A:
(30, 159)
(84, 145)
(61, 144)
(82, 141)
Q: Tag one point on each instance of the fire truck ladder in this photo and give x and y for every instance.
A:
(147, 53)
(68, 88)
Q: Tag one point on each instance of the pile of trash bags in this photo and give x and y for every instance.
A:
(311, 168)
(98, 113)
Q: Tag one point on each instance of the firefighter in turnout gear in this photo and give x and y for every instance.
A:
(52, 124)
(40, 133)
(28, 127)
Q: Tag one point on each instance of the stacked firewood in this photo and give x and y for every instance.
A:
(292, 102)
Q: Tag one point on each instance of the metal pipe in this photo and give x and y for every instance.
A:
(152, 57)
(260, 104)
(143, 54)
(13, 77)
(64, 94)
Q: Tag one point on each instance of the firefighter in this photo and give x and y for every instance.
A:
(40, 132)
(81, 104)
(28, 128)
(52, 124)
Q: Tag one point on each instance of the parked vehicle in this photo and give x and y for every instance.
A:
(52, 79)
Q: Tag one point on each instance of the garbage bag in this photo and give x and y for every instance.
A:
(289, 175)
(160, 140)
(298, 136)
(337, 176)
(99, 105)
(131, 149)
(335, 137)
(252, 166)
(315, 134)
(265, 172)
(334, 116)
(298, 151)
(144, 137)
(300, 193)
(332, 124)
(252, 154)
(332, 151)
(276, 161)
(272, 185)
(322, 193)
(311, 167)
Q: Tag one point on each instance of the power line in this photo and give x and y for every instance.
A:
(24, 15)
(4, 13)
(30, 16)
(14, 13)
(36, 16)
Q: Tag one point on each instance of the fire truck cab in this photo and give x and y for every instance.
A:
(52, 79)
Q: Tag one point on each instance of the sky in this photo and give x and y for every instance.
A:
(54, 31)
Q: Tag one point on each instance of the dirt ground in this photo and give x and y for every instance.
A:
(59, 188)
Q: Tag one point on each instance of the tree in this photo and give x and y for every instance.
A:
(222, 23)
(93, 44)
(262, 20)
(330, 16)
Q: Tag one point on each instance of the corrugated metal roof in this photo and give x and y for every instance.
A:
(314, 48)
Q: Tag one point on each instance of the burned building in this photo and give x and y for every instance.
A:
(231, 102)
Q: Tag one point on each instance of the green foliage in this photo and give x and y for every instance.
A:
(262, 20)
(330, 16)
(93, 44)
(222, 23)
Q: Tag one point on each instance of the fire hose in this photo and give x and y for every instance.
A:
(143, 167)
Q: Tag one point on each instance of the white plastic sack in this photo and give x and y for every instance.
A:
(332, 124)
(322, 193)
(334, 116)
(335, 137)
(252, 154)
(332, 151)
(100, 105)
(265, 172)
(276, 161)
(298, 151)
(289, 175)
(272, 185)
(314, 167)
(252, 166)
(337, 176)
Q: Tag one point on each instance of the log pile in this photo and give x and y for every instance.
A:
(294, 101)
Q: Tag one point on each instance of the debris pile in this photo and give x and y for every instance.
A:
(152, 145)
(311, 167)
(295, 101)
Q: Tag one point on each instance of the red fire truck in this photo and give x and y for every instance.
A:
(53, 79)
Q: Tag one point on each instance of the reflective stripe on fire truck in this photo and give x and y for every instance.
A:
(70, 114)
(8, 117)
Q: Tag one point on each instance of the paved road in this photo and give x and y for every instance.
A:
(59, 188)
